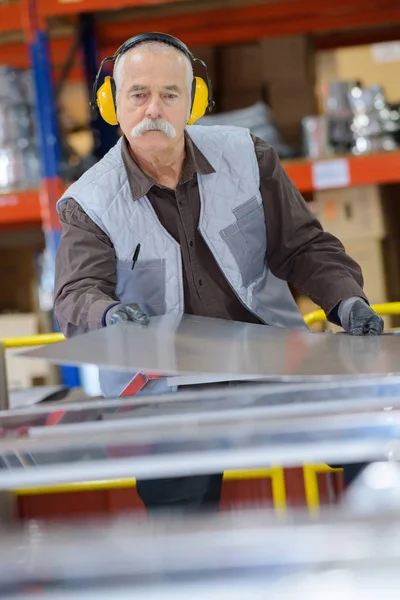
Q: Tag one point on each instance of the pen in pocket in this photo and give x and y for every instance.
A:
(135, 256)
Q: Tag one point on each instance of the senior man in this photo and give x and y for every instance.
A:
(201, 220)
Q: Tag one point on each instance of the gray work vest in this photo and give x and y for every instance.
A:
(232, 223)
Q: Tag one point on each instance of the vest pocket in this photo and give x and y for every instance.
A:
(145, 284)
(247, 241)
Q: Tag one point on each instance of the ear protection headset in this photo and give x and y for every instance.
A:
(104, 97)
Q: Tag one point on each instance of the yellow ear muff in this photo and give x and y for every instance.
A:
(106, 102)
(200, 101)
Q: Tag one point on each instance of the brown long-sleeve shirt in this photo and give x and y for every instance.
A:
(299, 251)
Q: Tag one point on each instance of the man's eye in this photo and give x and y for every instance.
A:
(171, 96)
(139, 96)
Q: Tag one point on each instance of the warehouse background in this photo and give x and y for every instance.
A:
(322, 85)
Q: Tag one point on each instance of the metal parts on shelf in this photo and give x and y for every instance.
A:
(19, 163)
(356, 120)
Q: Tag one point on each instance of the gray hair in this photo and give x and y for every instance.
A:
(157, 48)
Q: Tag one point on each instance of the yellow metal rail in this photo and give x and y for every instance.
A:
(386, 309)
(275, 474)
(32, 340)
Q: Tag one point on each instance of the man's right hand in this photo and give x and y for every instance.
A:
(126, 311)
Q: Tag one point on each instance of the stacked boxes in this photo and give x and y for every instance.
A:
(280, 71)
(239, 76)
(306, 306)
(23, 373)
(288, 71)
(360, 217)
(357, 217)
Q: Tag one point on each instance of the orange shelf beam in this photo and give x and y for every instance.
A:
(20, 207)
(300, 173)
(371, 169)
(52, 8)
(245, 23)
(10, 17)
(216, 27)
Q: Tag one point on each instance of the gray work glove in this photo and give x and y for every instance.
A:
(363, 320)
(126, 311)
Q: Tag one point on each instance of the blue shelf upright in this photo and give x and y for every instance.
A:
(49, 145)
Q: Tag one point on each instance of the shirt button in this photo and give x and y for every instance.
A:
(181, 203)
(200, 282)
(191, 243)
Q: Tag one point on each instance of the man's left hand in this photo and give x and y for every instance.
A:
(363, 320)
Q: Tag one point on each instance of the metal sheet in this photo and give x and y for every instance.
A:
(27, 397)
(168, 449)
(214, 554)
(350, 583)
(185, 409)
(179, 345)
(199, 432)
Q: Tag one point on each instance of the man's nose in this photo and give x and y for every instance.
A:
(153, 109)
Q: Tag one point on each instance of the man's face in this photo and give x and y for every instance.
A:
(153, 98)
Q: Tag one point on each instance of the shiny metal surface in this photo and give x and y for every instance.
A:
(376, 490)
(275, 400)
(167, 447)
(233, 427)
(178, 345)
(30, 396)
(221, 554)
(352, 584)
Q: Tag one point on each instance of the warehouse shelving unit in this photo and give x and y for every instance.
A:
(370, 169)
(377, 169)
(40, 33)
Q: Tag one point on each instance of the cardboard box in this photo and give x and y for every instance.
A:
(354, 213)
(24, 372)
(368, 253)
(289, 57)
(239, 66)
(307, 306)
(18, 291)
(391, 252)
(291, 100)
(237, 99)
(291, 134)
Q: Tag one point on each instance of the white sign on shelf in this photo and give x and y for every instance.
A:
(386, 52)
(333, 173)
(8, 200)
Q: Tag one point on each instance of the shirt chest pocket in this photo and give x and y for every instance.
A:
(145, 284)
(247, 240)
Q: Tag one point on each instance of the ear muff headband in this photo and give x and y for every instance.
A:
(103, 97)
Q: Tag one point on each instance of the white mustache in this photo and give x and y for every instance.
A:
(154, 125)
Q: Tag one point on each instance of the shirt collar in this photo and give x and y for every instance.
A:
(140, 183)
